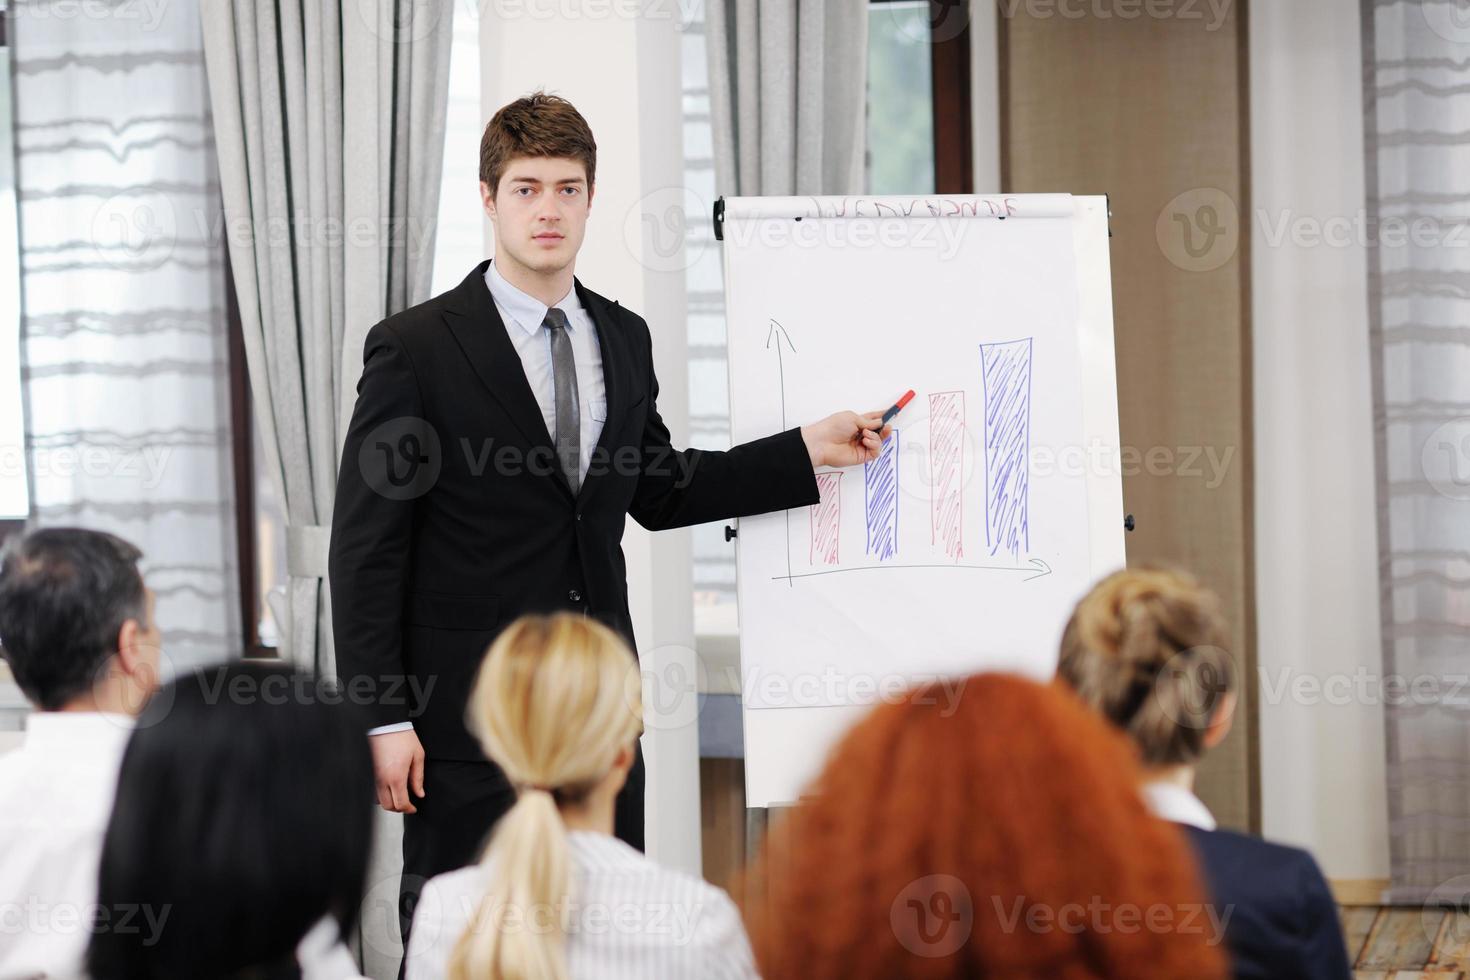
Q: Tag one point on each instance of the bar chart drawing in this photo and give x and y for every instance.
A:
(880, 497)
(946, 472)
(826, 516)
(1006, 375)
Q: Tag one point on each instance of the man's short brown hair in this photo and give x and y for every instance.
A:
(538, 125)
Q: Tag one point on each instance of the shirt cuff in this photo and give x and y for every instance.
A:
(402, 726)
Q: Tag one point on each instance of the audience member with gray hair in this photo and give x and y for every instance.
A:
(78, 631)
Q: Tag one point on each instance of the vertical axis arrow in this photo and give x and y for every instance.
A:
(777, 334)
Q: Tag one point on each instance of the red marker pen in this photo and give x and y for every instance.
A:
(908, 396)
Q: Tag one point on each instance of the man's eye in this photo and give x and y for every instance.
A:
(525, 189)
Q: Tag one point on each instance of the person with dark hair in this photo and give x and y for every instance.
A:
(77, 630)
(1146, 649)
(989, 830)
(240, 835)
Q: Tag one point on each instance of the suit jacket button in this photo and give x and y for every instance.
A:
(574, 596)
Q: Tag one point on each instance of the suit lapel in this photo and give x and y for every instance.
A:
(607, 317)
(480, 332)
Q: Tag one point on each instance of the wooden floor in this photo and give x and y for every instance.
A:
(1407, 943)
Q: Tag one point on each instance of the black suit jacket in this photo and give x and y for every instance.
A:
(1283, 920)
(452, 517)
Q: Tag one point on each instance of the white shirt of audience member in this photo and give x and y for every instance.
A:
(629, 918)
(56, 795)
(1172, 802)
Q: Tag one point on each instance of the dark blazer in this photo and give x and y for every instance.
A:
(452, 517)
(1283, 920)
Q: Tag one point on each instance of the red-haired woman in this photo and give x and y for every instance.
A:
(992, 829)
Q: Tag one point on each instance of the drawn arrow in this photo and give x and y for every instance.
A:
(776, 334)
(1042, 568)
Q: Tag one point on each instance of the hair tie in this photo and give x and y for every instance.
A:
(524, 787)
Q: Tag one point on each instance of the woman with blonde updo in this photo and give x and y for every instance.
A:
(1146, 649)
(557, 705)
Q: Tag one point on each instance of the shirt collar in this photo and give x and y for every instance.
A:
(72, 727)
(527, 311)
(1170, 801)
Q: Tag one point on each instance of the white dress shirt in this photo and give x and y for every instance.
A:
(56, 794)
(1172, 802)
(629, 918)
(523, 315)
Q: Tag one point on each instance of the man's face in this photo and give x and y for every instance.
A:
(540, 211)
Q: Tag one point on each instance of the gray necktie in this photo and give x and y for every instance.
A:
(568, 435)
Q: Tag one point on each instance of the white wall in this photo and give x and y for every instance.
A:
(1322, 764)
(622, 73)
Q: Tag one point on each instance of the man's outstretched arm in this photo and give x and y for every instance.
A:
(677, 488)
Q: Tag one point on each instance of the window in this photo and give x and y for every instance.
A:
(14, 494)
(459, 241)
(918, 135)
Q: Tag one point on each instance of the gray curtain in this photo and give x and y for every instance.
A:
(1417, 131)
(329, 118)
(123, 334)
(788, 95)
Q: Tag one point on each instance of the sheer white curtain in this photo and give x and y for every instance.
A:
(1417, 70)
(123, 312)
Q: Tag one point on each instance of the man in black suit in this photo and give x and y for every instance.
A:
(502, 433)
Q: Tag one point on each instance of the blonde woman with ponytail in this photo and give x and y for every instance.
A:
(1147, 649)
(557, 705)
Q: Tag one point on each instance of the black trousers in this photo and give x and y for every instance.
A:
(462, 801)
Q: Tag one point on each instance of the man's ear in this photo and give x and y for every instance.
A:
(487, 200)
(129, 653)
(1220, 721)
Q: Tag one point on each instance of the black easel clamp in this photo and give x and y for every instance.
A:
(719, 217)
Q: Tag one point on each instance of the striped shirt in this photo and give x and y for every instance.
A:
(629, 917)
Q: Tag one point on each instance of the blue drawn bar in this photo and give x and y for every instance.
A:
(1006, 372)
(880, 493)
